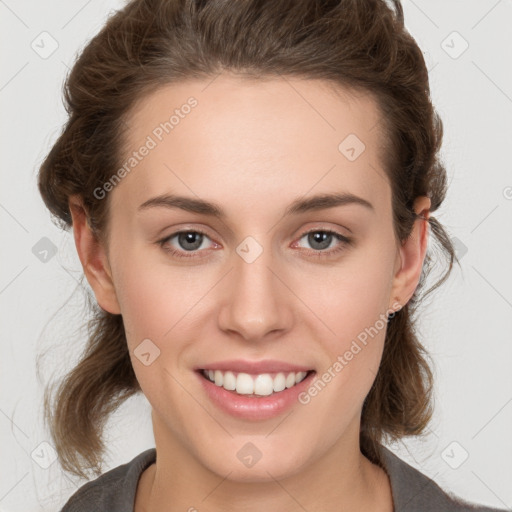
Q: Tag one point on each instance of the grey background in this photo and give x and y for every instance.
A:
(467, 324)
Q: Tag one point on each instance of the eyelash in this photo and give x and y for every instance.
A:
(345, 241)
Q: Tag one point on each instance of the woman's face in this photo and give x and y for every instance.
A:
(245, 291)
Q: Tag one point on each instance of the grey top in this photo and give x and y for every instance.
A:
(412, 491)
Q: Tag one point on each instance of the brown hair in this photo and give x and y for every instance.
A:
(358, 44)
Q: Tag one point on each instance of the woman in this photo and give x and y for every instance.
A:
(250, 186)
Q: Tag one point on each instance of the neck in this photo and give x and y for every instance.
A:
(342, 480)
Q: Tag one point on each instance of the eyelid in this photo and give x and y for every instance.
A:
(325, 229)
(186, 230)
(342, 239)
(180, 253)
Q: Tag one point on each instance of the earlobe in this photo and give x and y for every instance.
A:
(412, 254)
(93, 257)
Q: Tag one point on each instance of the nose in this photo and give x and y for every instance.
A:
(256, 302)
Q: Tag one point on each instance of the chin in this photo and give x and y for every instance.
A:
(250, 464)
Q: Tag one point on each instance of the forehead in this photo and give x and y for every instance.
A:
(253, 139)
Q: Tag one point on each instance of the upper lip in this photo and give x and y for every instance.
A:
(254, 367)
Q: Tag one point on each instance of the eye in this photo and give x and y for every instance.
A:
(187, 244)
(186, 241)
(321, 239)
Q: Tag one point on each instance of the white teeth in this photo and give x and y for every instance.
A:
(300, 376)
(262, 384)
(279, 382)
(244, 384)
(290, 380)
(229, 381)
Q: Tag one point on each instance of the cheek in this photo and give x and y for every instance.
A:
(350, 297)
(153, 296)
(350, 321)
(146, 305)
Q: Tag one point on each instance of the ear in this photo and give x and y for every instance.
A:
(93, 257)
(411, 255)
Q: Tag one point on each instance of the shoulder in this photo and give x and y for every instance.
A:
(414, 491)
(114, 490)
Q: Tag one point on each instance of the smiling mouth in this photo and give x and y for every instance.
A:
(254, 385)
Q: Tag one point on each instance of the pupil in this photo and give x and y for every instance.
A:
(320, 237)
(188, 238)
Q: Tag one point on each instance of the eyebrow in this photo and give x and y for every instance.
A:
(302, 205)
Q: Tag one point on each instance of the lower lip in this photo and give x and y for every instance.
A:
(254, 407)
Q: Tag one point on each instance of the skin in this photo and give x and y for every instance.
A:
(254, 147)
